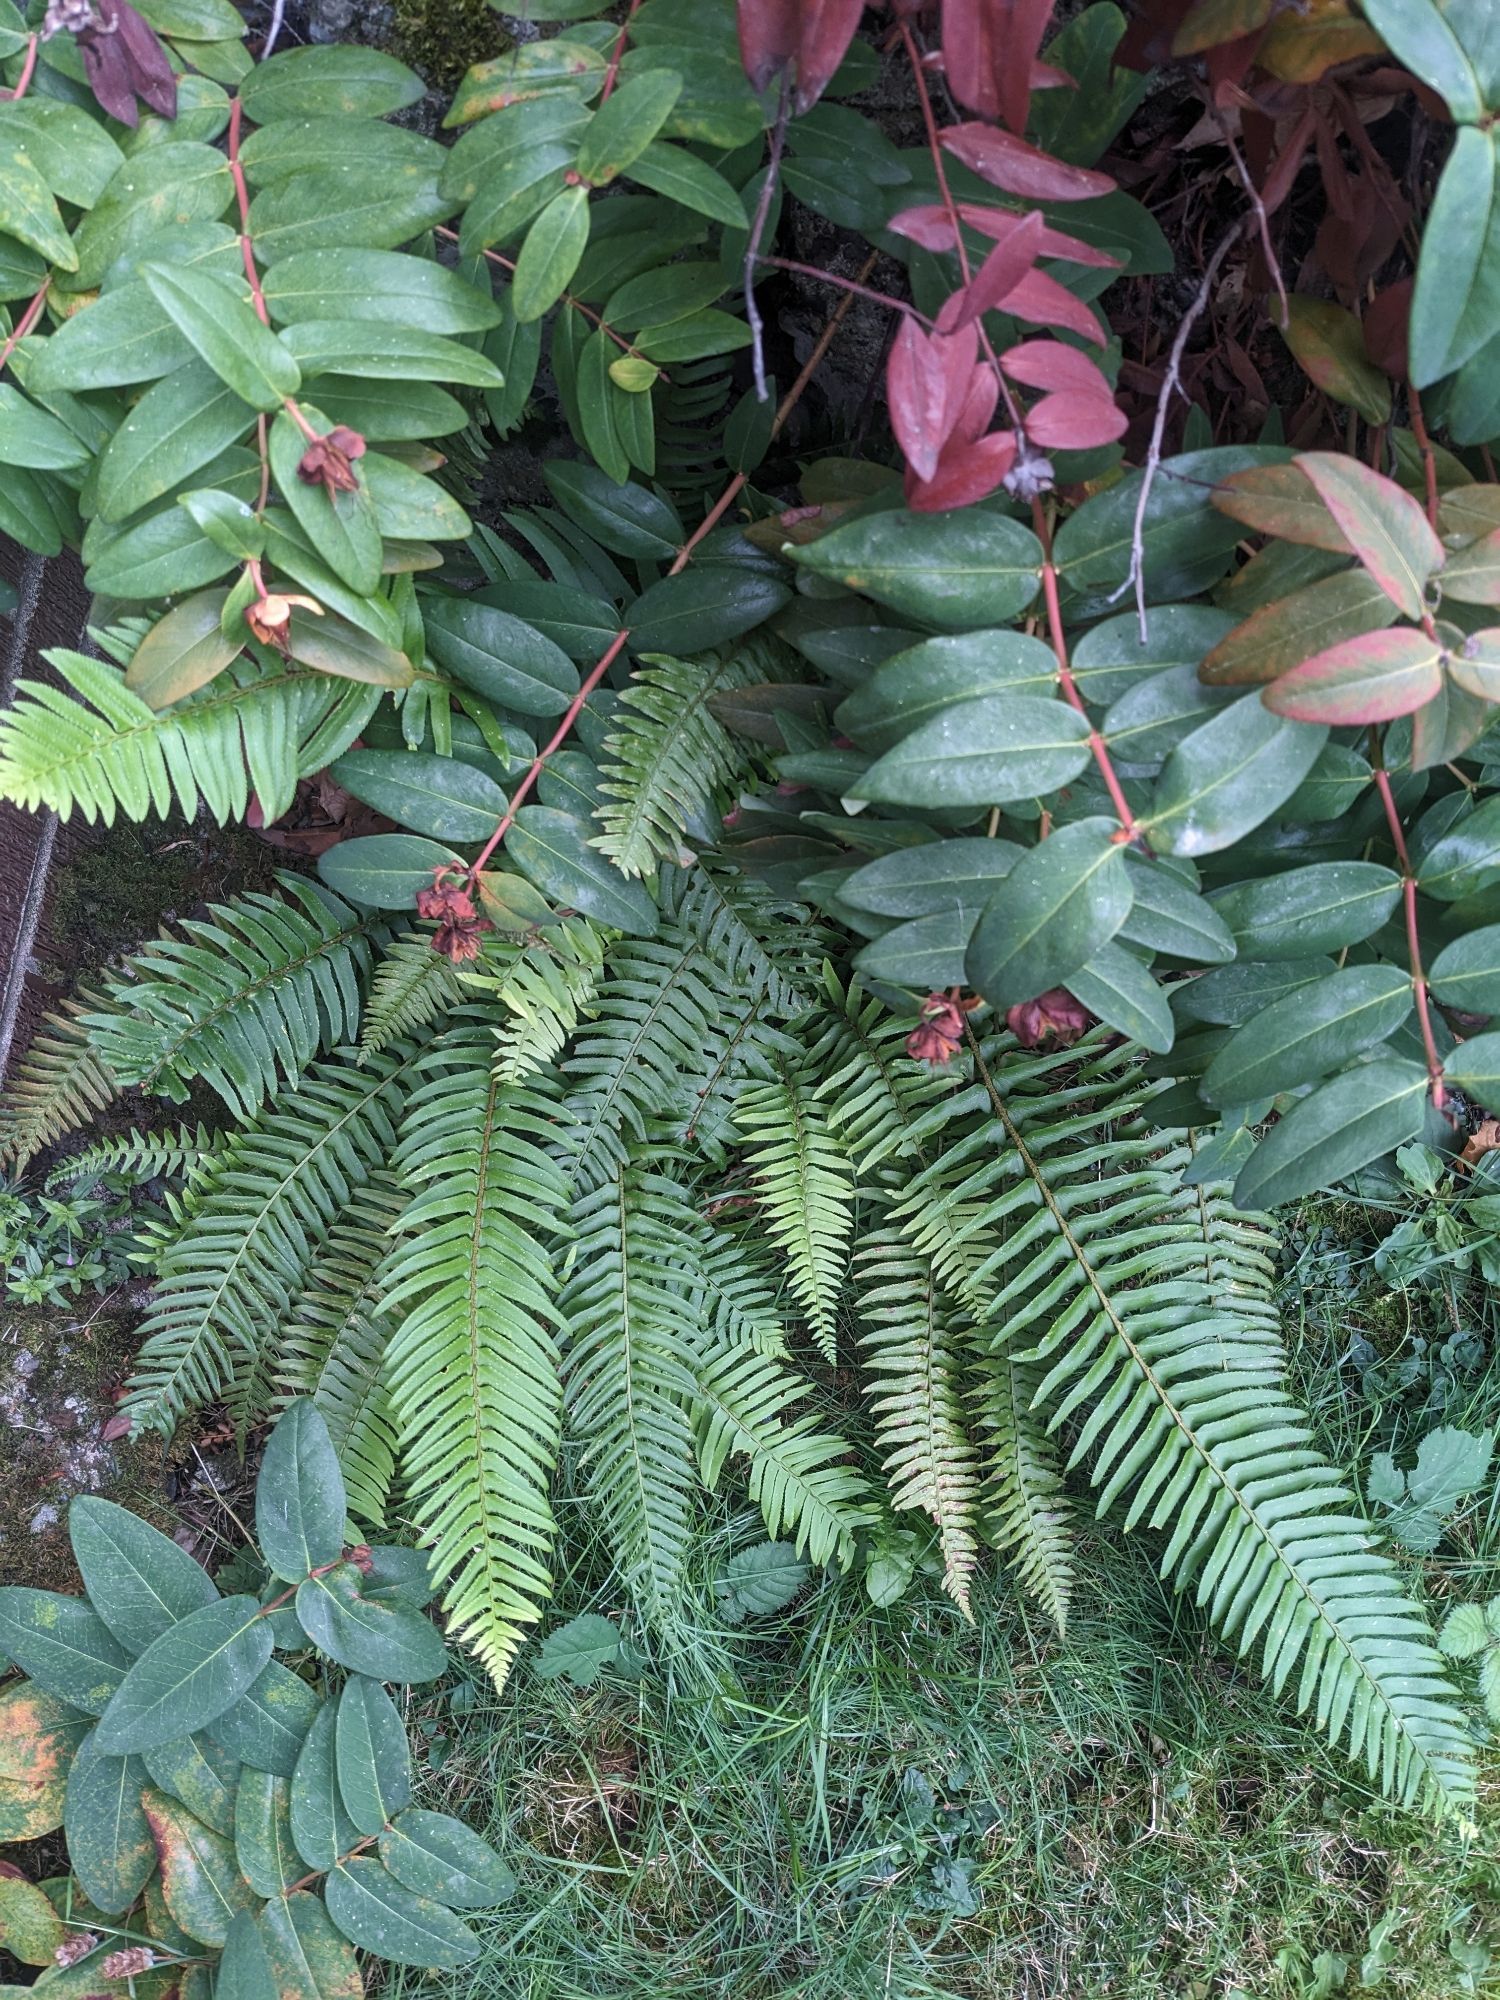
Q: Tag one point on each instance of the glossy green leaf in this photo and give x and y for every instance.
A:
(1464, 860)
(925, 954)
(179, 425)
(182, 652)
(27, 209)
(552, 849)
(335, 81)
(190, 1675)
(1061, 902)
(1474, 1067)
(1341, 1127)
(432, 795)
(1442, 44)
(374, 1768)
(138, 1579)
(1308, 1033)
(1455, 307)
(684, 178)
(120, 338)
(230, 523)
(245, 1971)
(687, 614)
(110, 1848)
(435, 1855)
(1466, 973)
(200, 1877)
(628, 520)
(936, 875)
(920, 682)
(268, 1725)
(1228, 776)
(263, 1844)
(335, 210)
(621, 129)
(390, 1642)
(384, 870)
(341, 526)
(1321, 908)
(310, 1959)
(196, 1772)
(156, 192)
(550, 254)
(61, 1644)
(955, 571)
(165, 551)
(381, 287)
(1109, 658)
(1168, 915)
(31, 437)
(375, 1912)
(1118, 988)
(1150, 719)
(74, 154)
(1235, 993)
(395, 353)
(499, 655)
(321, 1829)
(217, 323)
(979, 753)
(299, 1494)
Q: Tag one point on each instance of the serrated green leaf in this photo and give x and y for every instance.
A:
(1463, 1633)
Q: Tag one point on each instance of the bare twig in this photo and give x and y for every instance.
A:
(1136, 575)
(278, 15)
(757, 230)
(1262, 221)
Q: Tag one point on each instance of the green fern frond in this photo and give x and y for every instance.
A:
(667, 759)
(806, 1189)
(630, 1375)
(1148, 1309)
(412, 986)
(174, 1154)
(472, 1367)
(228, 1277)
(244, 1000)
(99, 749)
(333, 1346)
(912, 1354)
(1025, 1512)
(543, 991)
(765, 946)
(61, 1081)
(874, 1091)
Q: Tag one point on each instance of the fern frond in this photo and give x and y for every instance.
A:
(874, 1091)
(412, 986)
(1148, 1309)
(227, 1278)
(912, 1355)
(98, 749)
(543, 991)
(806, 1189)
(472, 1368)
(244, 1000)
(630, 1375)
(333, 1346)
(174, 1154)
(667, 758)
(766, 947)
(1025, 1512)
(61, 1081)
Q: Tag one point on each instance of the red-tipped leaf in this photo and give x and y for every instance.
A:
(967, 471)
(927, 382)
(1372, 678)
(1386, 527)
(1010, 163)
(1281, 500)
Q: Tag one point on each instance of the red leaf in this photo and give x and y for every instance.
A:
(1048, 364)
(930, 226)
(1072, 422)
(978, 406)
(812, 35)
(1013, 256)
(1386, 319)
(1045, 302)
(926, 383)
(1372, 678)
(966, 472)
(1010, 163)
(1386, 528)
(989, 47)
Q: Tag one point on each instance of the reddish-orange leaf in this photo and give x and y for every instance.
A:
(1042, 301)
(812, 35)
(927, 381)
(1010, 163)
(1281, 500)
(932, 227)
(989, 47)
(1048, 364)
(1373, 678)
(997, 277)
(1070, 421)
(966, 472)
(1329, 343)
(1282, 634)
(1386, 528)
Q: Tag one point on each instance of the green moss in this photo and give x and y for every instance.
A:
(444, 38)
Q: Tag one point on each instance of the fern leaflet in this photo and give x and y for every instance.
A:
(1026, 1513)
(412, 986)
(806, 1189)
(177, 1153)
(60, 1082)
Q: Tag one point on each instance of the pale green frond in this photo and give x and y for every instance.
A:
(175, 1153)
(668, 763)
(1025, 1512)
(59, 1083)
(227, 1278)
(333, 1346)
(806, 1188)
(543, 991)
(94, 747)
(912, 1354)
(472, 1367)
(243, 1000)
(873, 1089)
(412, 986)
(630, 1375)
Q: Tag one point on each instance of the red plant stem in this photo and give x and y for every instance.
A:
(1413, 942)
(1429, 456)
(940, 171)
(1067, 686)
(28, 70)
(680, 562)
(617, 54)
(257, 290)
(316, 1874)
(26, 322)
(566, 299)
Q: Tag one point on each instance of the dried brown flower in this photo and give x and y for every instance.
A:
(1053, 1020)
(270, 618)
(75, 1946)
(123, 58)
(127, 1964)
(939, 1030)
(328, 461)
